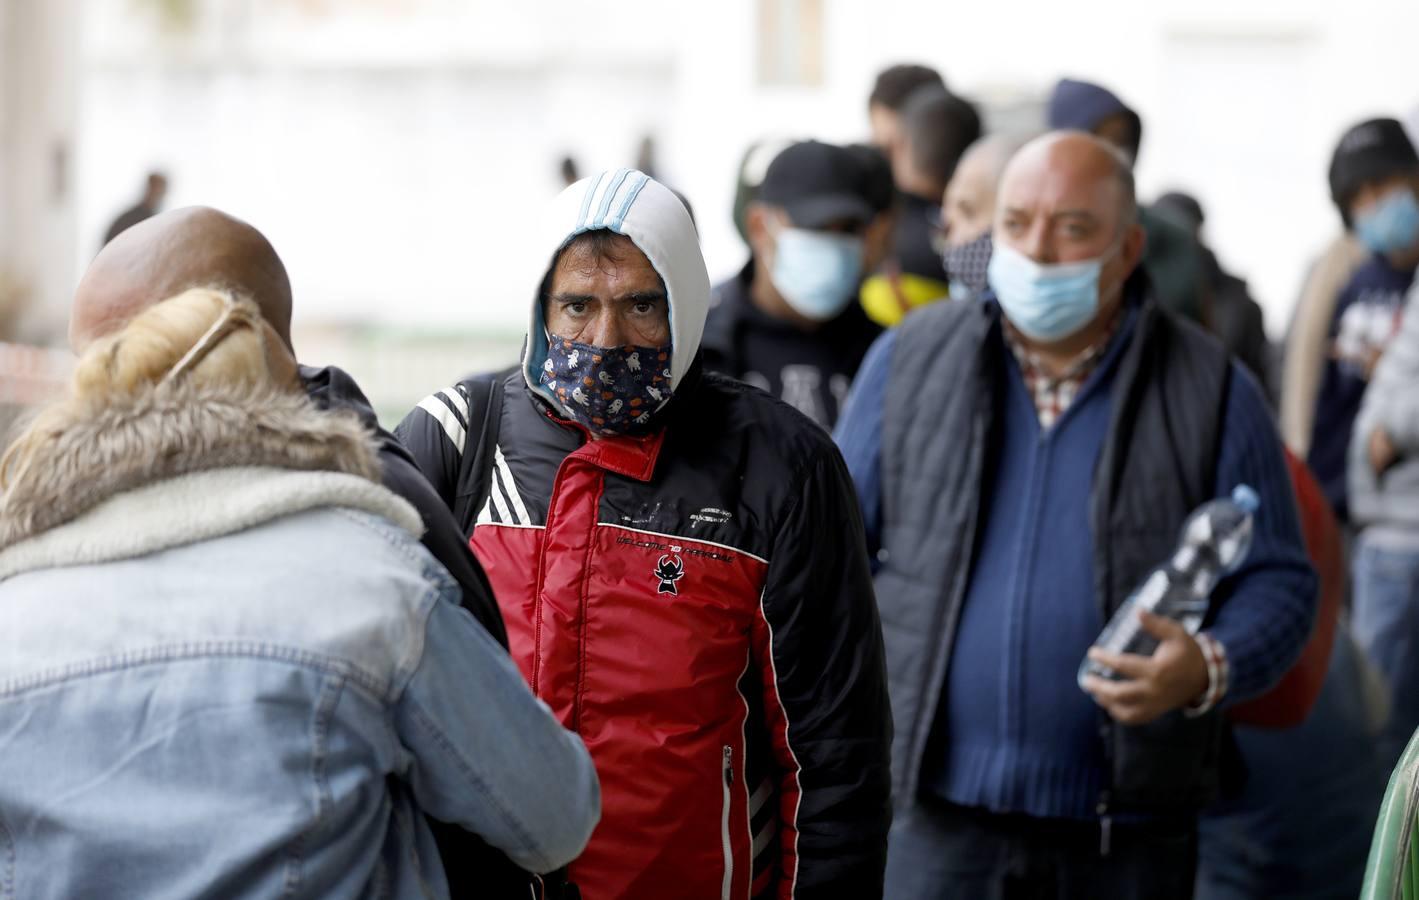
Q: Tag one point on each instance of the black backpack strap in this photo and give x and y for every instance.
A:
(485, 405)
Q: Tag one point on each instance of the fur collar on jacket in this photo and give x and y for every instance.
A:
(197, 507)
(170, 431)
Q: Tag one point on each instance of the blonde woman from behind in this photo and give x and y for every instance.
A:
(227, 667)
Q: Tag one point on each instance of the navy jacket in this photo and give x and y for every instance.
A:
(1375, 291)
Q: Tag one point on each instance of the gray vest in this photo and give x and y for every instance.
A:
(1157, 465)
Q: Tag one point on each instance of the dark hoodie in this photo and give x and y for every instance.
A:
(1171, 258)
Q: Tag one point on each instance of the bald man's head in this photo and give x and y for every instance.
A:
(1064, 197)
(165, 255)
(968, 206)
(1067, 197)
(1077, 161)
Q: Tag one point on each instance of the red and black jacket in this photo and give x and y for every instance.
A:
(697, 605)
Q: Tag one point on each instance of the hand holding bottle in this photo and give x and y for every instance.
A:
(1146, 662)
(1174, 676)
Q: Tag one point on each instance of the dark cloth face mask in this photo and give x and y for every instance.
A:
(966, 265)
(608, 390)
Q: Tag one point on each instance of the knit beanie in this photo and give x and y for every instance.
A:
(1081, 106)
(1371, 151)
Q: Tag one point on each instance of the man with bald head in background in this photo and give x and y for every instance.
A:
(1022, 463)
(164, 255)
(968, 213)
(198, 246)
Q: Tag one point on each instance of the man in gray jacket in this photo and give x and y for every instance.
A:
(1384, 501)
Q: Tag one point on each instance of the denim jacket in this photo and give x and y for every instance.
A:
(194, 702)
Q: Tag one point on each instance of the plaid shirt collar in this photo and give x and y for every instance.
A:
(1053, 394)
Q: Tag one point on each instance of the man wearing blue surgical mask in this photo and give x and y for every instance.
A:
(788, 323)
(1374, 181)
(1022, 462)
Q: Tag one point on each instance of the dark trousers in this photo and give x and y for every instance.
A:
(939, 851)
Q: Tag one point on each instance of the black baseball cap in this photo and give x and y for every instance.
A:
(818, 183)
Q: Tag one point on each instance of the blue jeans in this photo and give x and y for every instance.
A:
(1386, 626)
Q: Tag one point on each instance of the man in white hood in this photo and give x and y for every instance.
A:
(681, 564)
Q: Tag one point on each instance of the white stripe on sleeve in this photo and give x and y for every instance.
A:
(501, 461)
(445, 417)
(453, 396)
(500, 501)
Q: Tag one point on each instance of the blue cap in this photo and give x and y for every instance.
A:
(1246, 498)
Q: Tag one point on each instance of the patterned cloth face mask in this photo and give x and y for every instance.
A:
(966, 266)
(609, 390)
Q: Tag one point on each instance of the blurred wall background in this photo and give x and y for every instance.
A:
(396, 151)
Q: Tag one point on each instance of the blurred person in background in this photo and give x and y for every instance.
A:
(890, 91)
(1384, 503)
(936, 128)
(1301, 824)
(968, 212)
(680, 561)
(1307, 343)
(750, 174)
(1232, 315)
(192, 246)
(880, 192)
(1297, 822)
(1374, 181)
(230, 668)
(567, 169)
(646, 156)
(155, 189)
(1171, 259)
(788, 323)
(1022, 464)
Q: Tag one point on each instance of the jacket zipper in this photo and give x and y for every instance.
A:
(728, 782)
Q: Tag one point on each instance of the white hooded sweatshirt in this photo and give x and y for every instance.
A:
(629, 202)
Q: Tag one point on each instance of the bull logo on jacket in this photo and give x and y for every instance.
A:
(669, 570)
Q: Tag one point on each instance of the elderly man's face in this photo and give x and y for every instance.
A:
(608, 300)
(1060, 201)
(968, 207)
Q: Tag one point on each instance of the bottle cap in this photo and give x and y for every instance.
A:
(1246, 498)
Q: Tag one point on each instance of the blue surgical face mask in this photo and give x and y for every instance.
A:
(1392, 224)
(817, 272)
(1045, 302)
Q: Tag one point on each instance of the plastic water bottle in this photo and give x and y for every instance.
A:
(1215, 540)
